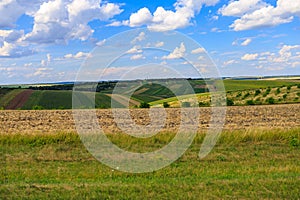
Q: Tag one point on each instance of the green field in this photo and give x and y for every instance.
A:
(62, 100)
(251, 164)
(236, 85)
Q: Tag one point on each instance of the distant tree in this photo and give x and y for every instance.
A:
(246, 95)
(229, 102)
(278, 91)
(284, 96)
(250, 102)
(238, 95)
(166, 105)
(288, 87)
(270, 100)
(144, 105)
(257, 92)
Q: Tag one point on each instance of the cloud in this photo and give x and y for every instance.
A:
(178, 52)
(58, 21)
(139, 38)
(159, 44)
(10, 11)
(165, 20)
(6, 49)
(42, 72)
(137, 57)
(12, 50)
(198, 51)
(55, 21)
(264, 15)
(143, 16)
(285, 53)
(47, 61)
(230, 62)
(28, 64)
(246, 42)
(243, 41)
(240, 7)
(135, 49)
(215, 18)
(117, 23)
(11, 44)
(249, 57)
(79, 55)
(286, 57)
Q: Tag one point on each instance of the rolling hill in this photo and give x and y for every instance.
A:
(156, 92)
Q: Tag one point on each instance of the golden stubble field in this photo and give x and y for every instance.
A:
(53, 121)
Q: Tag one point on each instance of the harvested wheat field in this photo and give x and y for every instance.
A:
(51, 121)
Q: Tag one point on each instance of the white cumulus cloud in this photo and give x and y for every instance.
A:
(79, 55)
(165, 20)
(198, 51)
(143, 16)
(178, 52)
(137, 57)
(249, 57)
(257, 14)
(240, 7)
(58, 21)
(135, 49)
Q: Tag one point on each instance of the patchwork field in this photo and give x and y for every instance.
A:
(239, 92)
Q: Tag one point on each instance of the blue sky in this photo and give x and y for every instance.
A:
(47, 41)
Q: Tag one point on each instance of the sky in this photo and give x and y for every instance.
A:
(48, 41)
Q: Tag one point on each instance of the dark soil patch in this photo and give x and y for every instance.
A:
(19, 100)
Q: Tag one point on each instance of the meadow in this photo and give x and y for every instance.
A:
(252, 164)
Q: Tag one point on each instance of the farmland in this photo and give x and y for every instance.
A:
(52, 121)
(256, 156)
(261, 96)
(241, 92)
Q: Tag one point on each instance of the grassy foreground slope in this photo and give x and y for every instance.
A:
(252, 164)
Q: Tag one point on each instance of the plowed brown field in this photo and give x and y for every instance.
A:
(51, 121)
(19, 100)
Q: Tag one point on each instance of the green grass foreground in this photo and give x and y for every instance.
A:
(253, 164)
